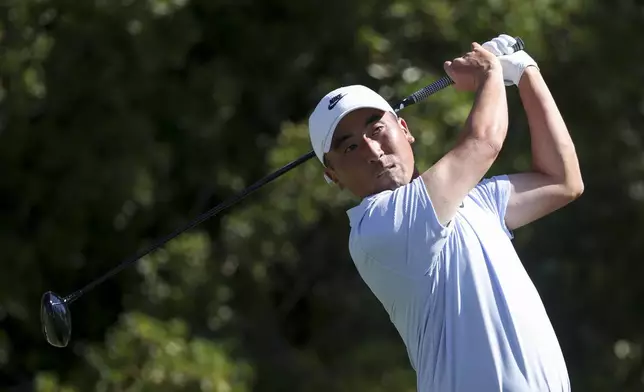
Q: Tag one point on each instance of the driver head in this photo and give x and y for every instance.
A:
(56, 319)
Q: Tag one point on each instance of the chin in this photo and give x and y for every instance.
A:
(391, 183)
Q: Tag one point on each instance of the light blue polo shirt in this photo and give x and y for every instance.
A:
(467, 311)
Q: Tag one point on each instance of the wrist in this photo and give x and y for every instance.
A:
(532, 71)
(495, 68)
(489, 79)
(530, 75)
(493, 73)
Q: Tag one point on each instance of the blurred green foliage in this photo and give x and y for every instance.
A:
(121, 120)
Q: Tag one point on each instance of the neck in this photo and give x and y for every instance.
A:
(415, 174)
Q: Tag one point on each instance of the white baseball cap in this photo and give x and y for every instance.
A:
(333, 107)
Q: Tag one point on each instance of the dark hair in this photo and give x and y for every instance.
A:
(326, 162)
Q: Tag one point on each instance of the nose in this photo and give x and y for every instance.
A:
(372, 149)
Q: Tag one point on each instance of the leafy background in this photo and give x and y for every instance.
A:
(121, 120)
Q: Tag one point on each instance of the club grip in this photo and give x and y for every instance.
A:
(519, 45)
(440, 84)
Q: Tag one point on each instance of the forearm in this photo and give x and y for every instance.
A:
(488, 119)
(553, 151)
(450, 179)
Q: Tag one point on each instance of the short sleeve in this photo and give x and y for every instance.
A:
(399, 230)
(493, 194)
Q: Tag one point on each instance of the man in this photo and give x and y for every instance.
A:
(435, 246)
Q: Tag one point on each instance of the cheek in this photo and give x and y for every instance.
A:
(356, 175)
(347, 169)
(394, 142)
(354, 171)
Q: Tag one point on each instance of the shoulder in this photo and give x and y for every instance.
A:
(492, 196)
(492, 188)
(396, 226)
(387, 211)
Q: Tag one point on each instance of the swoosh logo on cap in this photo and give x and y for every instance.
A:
(334, 101)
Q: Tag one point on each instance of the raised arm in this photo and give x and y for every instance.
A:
(450, 179)
(555, 179)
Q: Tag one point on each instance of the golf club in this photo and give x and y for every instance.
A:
(54, 309)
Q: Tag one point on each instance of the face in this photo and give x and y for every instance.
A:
(370, 152)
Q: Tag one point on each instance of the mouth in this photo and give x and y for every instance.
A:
(385, 170)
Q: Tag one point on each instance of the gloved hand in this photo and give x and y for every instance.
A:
(513, 63)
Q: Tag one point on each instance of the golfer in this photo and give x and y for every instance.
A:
(434, 246)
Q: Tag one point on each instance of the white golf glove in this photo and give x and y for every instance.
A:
(513, 63)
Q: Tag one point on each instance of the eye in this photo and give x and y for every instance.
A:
(378, 129)
(350, 148)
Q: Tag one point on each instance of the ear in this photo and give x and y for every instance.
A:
(405, 129)
(331, 174)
